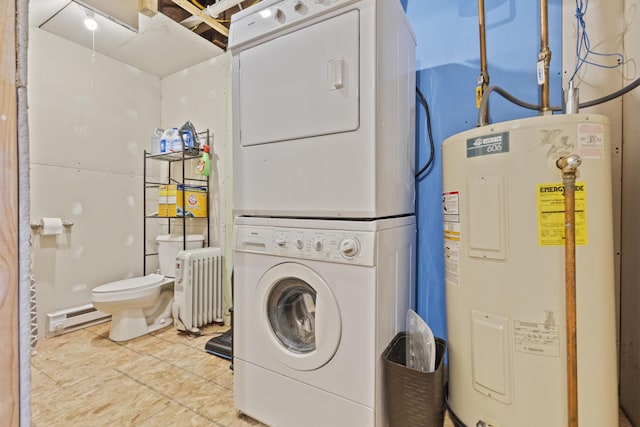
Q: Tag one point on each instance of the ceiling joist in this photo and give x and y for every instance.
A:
(221, 6)
(189, 7)
(148, 7)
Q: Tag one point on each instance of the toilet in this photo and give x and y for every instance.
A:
(140, 305)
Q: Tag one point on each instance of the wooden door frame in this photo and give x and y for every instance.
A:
(9, 247)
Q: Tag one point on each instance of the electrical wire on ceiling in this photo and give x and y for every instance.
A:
(197, 4)
(423, 101)
(583, 44)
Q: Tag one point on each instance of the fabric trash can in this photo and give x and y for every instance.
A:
(413, 397)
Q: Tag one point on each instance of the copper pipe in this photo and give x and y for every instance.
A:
(483, 79)
(545, 54)
(483, 41)
(569, 166)
(570, 291)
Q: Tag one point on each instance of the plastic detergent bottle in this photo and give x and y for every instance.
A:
(204, 164)
(176, 140)
(156, 136)
(170, 141)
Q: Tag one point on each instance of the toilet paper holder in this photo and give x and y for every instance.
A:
(37, 227)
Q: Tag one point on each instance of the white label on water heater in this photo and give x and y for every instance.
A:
(591, 141)
(451, 206)
(452, 253)
(537, 338)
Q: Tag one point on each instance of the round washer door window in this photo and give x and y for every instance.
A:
(298, 316)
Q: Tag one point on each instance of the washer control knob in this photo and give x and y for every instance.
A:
(299, 243)
(281, 241)
(279, 16)
(299, 7)
(318, 245)
(349, 247)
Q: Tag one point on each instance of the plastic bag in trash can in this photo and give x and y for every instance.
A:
(421, 345)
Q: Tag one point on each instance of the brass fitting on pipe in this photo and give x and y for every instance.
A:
(545, 55)
(483, 78)
(569, 164)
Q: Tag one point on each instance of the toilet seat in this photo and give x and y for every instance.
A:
(128, 288)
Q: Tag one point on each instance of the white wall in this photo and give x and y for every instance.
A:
(201, 94)
(91, 118)
(90, 121)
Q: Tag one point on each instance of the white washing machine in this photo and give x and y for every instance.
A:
(323, 109)
(315, 304)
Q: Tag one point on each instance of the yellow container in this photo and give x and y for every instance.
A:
(170, 201)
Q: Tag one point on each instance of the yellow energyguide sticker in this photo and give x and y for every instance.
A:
(551, 214)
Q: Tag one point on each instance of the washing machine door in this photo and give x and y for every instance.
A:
(298, 316)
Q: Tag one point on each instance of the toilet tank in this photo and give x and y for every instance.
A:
(168, 247)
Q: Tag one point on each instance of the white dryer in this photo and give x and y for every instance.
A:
(323, 108)
(315, 304)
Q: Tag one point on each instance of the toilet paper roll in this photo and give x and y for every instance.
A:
(50, 226)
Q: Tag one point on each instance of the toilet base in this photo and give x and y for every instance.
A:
(130, 324)
(140, 315)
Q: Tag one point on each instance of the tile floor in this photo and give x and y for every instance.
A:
(161, 379)
(158, 380)
(164, 379)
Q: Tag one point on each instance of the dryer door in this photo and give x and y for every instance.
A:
(298, 316)
(301, 84)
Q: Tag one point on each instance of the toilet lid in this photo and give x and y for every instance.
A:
(133, 283)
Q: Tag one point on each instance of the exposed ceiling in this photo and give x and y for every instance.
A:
(157, 36)
(208, 18)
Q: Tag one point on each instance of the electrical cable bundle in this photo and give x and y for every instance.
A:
(423, 101)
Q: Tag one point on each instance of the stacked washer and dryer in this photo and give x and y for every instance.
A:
(324, 235)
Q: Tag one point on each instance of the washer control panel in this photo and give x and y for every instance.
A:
(329, 245)
(270, 16)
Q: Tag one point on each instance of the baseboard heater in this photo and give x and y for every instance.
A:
(74, 318)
